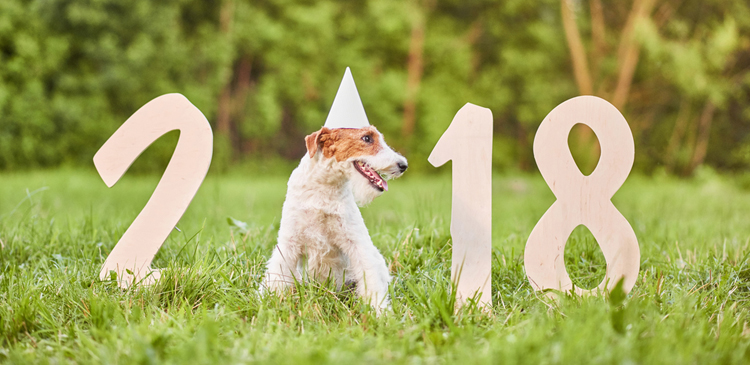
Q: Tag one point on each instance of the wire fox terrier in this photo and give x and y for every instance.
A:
(343, 168)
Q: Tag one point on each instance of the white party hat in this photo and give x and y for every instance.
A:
(347, 110)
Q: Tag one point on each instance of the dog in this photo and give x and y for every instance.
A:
(344, 168)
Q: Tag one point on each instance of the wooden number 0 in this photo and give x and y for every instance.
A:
(583, 199)
(177, 187)
(468, 142)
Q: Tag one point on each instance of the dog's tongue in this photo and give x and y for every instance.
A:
(372, 175)
(376, 179)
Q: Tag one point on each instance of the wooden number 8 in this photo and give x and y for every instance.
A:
(177, 187)
(583, 199)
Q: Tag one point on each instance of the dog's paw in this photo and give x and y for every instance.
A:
(381, 307)
(379, 302)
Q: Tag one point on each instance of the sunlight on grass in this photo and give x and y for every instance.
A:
(689, 305)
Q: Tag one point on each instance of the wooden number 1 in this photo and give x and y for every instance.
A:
(583, 199)
(131, 257)
(468, 143)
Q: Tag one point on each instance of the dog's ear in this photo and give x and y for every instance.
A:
(313, 141)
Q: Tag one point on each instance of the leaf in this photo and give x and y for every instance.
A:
(617, 295)
(616, 299)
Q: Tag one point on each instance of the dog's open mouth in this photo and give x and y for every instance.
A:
(371, 175)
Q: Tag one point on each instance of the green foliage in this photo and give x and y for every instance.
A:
(265, 73)
(689, 305)
(71, 72)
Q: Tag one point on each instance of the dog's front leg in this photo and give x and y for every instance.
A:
(370, 272)
(281, 271)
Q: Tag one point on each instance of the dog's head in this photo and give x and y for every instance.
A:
(363, 154)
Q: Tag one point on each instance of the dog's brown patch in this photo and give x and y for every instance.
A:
(312, 141)
(344, 143)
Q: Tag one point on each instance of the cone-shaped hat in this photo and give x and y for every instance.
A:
(347, 110)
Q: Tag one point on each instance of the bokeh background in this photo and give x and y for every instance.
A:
(265, 72)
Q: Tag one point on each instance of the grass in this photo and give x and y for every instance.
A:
(690, 304)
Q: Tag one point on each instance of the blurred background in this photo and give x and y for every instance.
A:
(265, 72)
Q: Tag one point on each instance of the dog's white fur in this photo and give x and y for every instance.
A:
(321, 222)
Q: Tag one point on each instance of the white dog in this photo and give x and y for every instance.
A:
(320, 220)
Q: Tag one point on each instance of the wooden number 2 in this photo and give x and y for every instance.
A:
(131, 257)
(583, 199)
(468, 142)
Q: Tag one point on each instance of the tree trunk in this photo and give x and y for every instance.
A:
(598, 36)
(628, 51)
(224, 112)
(577, 51)
(680, 126)
(414, 70)
(704, 132)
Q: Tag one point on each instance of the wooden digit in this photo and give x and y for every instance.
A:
(182, 178)
(468, 142)
(583, 199)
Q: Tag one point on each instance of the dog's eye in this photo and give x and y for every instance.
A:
(367, 139)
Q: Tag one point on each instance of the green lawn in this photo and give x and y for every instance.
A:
(690, 304)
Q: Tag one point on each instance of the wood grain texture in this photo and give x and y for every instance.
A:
(583, 199)
(468, 143)
(176, 189)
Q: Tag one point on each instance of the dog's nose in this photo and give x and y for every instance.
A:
(402, 166)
